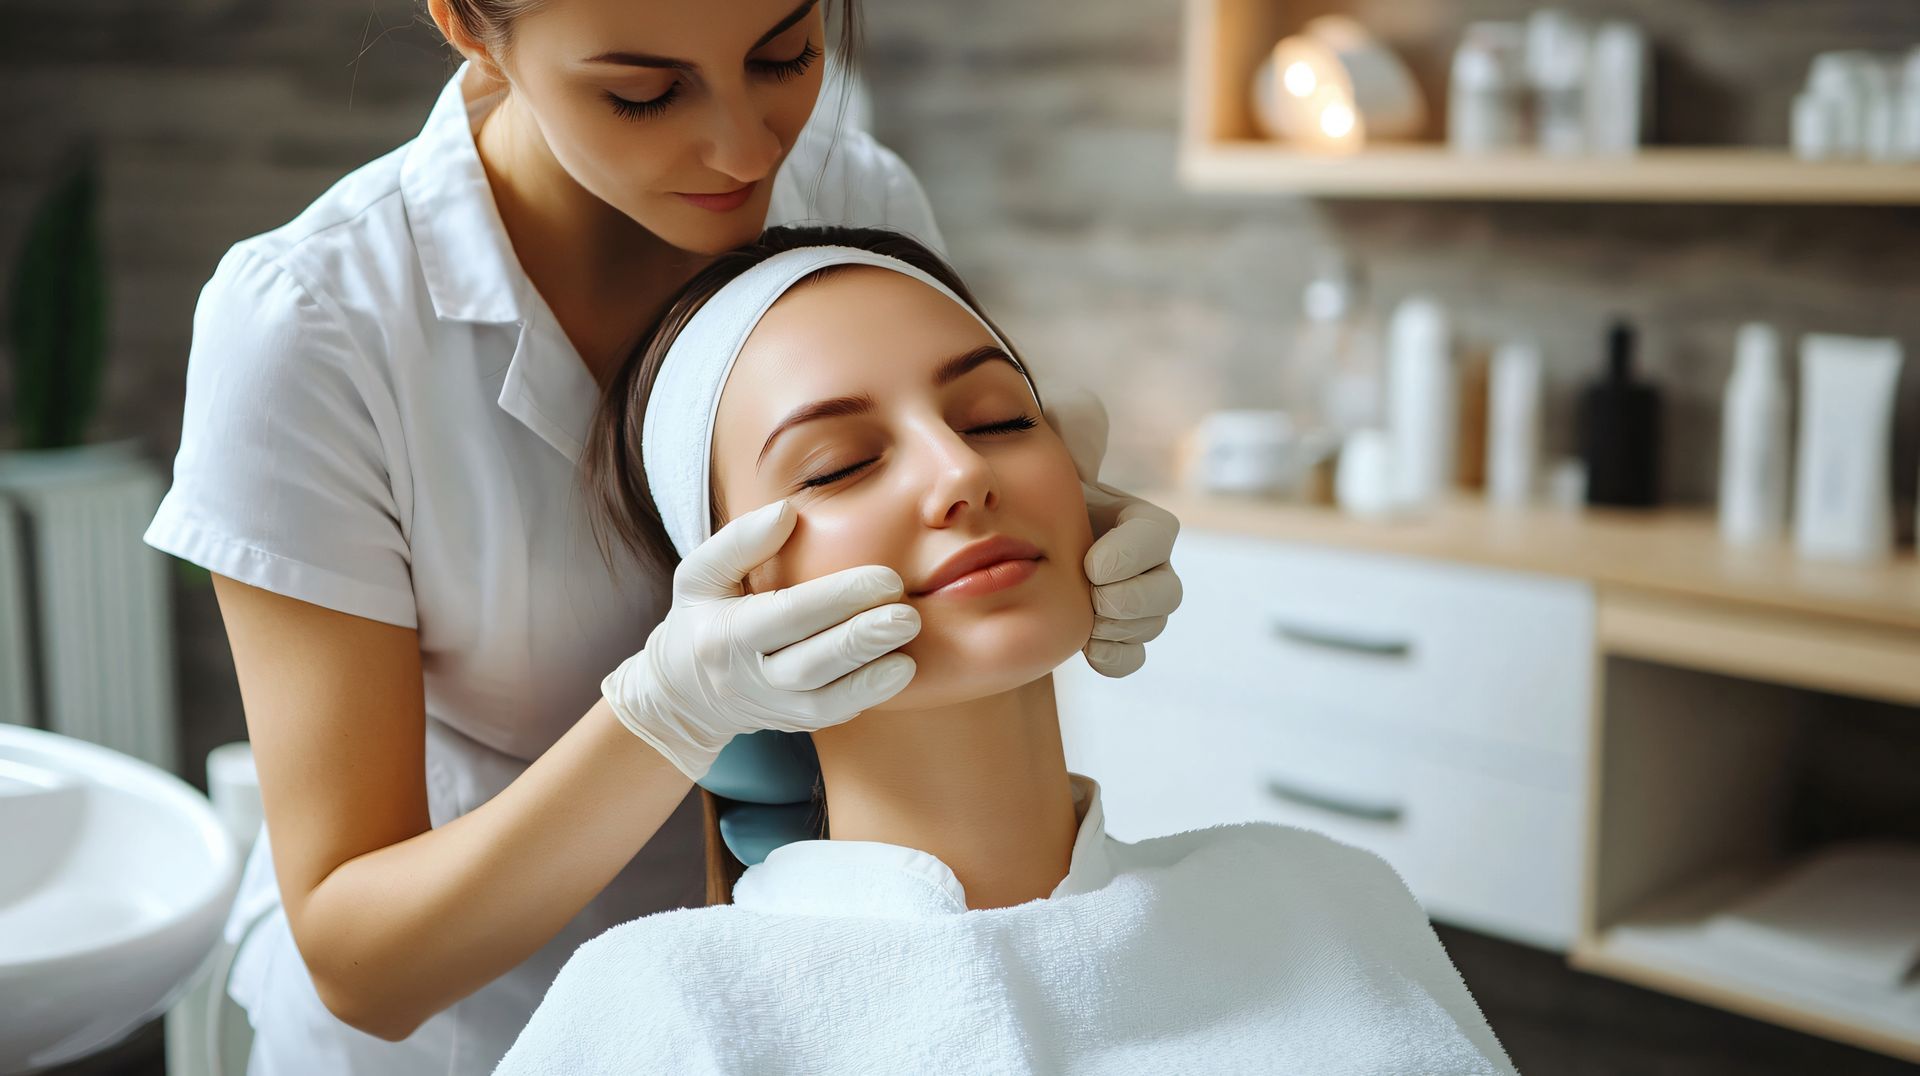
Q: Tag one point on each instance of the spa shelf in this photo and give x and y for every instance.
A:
(1697, 175)
(1577, 730)
(1221, 150)
(1669, 590)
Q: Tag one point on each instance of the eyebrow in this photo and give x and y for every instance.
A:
(641, 59)
(846, 406)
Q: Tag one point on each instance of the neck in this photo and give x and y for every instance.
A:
(604, 277)
(982, 786)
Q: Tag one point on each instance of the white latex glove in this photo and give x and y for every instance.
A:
(724, 662)
(1134, 587)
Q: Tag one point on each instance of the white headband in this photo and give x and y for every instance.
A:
(676, 434)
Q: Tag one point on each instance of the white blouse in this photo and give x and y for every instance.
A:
(383, 418)
(1252, 948)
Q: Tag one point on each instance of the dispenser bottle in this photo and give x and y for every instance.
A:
(1753, 441)
(1421, 401)
(1513, 426)
(1620, 430)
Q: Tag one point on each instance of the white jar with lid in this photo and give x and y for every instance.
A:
(1486, 94)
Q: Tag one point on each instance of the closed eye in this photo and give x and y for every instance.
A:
(777, 70)
(640, 110)
(783, 70)
(1013, 425)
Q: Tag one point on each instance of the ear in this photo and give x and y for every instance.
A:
(458, 35)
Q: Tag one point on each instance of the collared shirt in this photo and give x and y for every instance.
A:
(1253, 948)
(383, 417)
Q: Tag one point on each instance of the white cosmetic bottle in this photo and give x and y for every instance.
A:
(1753, 441)
(1842, 505)
(1513, 424)
(1421, 408)
(1618, 89)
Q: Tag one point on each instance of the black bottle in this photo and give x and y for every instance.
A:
(1620, 430)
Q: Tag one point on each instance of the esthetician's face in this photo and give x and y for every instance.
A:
(933, 444)
(688, 150)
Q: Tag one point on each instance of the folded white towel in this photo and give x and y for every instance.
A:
(1255, 948)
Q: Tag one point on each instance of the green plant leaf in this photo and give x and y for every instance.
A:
(190, 574)
(59, 314)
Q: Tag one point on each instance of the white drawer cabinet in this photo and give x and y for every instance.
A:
(1441, 648)
(1431, 713)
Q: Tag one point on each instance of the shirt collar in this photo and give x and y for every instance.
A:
(465, 256)
(473, 275)
(870, 879)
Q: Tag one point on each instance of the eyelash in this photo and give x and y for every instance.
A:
(777, 70)
(783, 70)
(1012, 425)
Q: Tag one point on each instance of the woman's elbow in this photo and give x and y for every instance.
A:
(379, 1018)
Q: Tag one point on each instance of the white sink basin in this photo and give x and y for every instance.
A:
(115, 877)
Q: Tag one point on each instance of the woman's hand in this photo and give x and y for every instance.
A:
(724, 662)
(1134, 587)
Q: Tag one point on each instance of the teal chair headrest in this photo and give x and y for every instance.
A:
(769, 777)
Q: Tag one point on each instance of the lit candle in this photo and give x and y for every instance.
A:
(1332, 86)
(1303, 96)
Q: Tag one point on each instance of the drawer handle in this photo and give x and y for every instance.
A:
(1367, 810)
(1373, 647)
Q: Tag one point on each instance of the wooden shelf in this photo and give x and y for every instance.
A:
(1222, 150)
(1672, 553)
(1674, 974)
(1655, 174)
(1667, 947)
(1667, 589)
(1689, 799)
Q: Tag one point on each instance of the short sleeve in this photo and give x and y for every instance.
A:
(282, 480)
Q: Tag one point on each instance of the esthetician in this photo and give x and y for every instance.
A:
(468, 724)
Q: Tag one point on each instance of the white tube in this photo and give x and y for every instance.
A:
(1421, 409)
(1513, 424)
(1842, 510)
(1753, 441)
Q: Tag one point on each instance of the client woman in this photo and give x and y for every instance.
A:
(969, 913)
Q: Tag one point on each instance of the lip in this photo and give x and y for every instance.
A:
(720, 203)
(983, 567)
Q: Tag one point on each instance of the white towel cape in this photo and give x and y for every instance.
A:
(1251, 948)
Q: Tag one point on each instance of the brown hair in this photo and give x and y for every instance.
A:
(490, 22)
(621, 504)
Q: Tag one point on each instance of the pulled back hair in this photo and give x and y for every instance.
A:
(490, 22)
(620, 501)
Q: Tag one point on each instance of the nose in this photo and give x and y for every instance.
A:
(742, 144)
(959, 479)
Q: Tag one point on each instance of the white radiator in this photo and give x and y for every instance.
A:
(16, 654)
(100, 616)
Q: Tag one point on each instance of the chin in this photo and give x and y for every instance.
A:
(962, 656)
(698, 231)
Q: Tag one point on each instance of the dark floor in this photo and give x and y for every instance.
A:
(1558, 1022)
(1554, 1022)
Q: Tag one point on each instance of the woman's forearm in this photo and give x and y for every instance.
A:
(398, 934)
